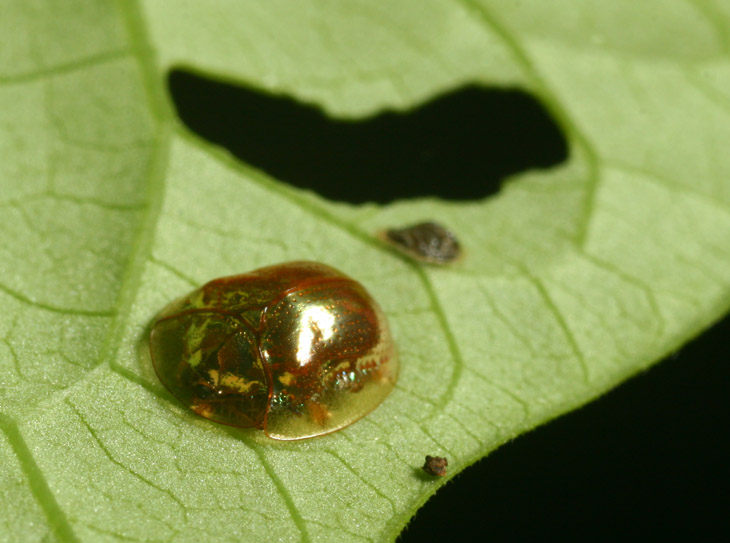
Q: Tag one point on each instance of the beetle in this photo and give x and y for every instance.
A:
(297, 349)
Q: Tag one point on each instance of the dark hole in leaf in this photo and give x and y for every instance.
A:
(458, 146)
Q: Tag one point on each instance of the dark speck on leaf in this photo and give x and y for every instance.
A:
(435, 465)
(427, 241)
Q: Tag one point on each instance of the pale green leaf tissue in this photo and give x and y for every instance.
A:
(575, 278)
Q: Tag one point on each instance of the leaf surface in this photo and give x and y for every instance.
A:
(575, 278)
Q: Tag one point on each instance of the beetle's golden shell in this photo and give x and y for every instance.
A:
(298, 349)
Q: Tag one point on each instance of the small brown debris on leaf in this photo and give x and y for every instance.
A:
(427, 241)
(435, 465)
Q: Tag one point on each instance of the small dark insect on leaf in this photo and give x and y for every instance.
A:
(435, 465)
(427, 241)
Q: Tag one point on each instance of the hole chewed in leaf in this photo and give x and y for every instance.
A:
(458, 146)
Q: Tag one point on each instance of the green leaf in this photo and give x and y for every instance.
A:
(574, 279)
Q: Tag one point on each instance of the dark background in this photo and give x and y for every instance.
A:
(649, 459)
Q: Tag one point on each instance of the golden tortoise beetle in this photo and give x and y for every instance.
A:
(298, 349)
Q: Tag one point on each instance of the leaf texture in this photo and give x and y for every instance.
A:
(575, 278)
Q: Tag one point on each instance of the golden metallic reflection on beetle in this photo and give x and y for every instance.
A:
(318, 324)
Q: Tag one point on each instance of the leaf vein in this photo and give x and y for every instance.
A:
(286, 497)
(362, 479)
(110, 456)
(53, 308)
(65, 68)
(563, 325)
(57, 519)
(174, 271)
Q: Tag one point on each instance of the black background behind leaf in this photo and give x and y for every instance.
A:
(649, 459)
